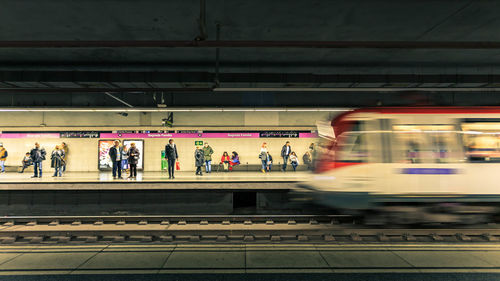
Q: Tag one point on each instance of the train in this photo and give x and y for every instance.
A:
(411, 165)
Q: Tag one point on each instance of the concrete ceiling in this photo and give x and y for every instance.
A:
(112, 68)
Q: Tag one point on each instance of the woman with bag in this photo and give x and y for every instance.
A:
(133, 158)
(57, 161)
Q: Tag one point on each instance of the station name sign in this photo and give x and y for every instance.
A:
(161, 134)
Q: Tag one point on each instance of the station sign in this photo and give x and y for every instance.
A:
(80, 135)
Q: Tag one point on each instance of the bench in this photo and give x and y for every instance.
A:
(10, 168)
(245, 167)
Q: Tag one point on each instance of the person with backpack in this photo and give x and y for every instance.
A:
(207, 153)
(37, 156)
(3, 157)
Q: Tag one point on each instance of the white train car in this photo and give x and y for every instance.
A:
(418, 160)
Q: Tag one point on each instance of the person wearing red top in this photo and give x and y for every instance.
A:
(224, 160)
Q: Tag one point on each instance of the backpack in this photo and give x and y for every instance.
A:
(6, 153)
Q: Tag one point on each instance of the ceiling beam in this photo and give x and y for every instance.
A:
(255, 44)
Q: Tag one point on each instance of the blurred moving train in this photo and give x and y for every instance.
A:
(412, 164)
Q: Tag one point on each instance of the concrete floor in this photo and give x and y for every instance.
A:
(180, 176)
(249, 258)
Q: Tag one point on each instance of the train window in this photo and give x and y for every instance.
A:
(352, 147)
(426, 144)
(482, 141)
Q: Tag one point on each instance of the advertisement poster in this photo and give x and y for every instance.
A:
(140, 145)
(104, 160)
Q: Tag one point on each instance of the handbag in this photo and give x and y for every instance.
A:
(177, 166)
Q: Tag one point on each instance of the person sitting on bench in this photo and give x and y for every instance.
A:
(26, 162)
(235, 160)
(225, 160)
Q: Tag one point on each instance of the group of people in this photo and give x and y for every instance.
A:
(121, 157)
(36, 156)
(287, 154)
(203, 157)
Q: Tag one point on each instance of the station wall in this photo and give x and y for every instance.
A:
(83, 154)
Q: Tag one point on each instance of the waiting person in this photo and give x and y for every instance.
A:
(172, 156)
(294, 160)
(115, 154)
(26, 162)
(199, 160)
(37, 156)
(65, 148)
(224, 160)
(263, 157)
(235, 160)
(269, 162)
(133, 155)
(207, 152)
(57, 161)
(307, 159)
(124, 164)
(3, 157)
(285, 154)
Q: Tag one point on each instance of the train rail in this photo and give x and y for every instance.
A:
(225, 229)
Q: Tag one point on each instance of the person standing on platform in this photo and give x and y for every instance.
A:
(172, 156)
(133, 158)
(294, 160)
(263, 157)
(65, 148)
(57, 161)
(199, 160)
(3, 157)
(207, 153)
(225, 161)
(124, 165)
(285, 154)
(37, 156)
(115, 154)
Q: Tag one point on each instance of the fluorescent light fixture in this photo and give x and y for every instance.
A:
(363, 89)
(176, 109)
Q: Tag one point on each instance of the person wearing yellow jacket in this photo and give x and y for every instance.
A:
(3, 157)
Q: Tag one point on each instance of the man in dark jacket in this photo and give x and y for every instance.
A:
(171, 156)
(285, 154)
(37, 155)
(115, 154)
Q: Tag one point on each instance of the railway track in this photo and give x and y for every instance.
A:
(225, 229)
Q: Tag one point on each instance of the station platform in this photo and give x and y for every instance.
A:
(401, 261)
(97, 193)
(96, 179)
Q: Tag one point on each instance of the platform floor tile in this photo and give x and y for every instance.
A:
(200, 259)
(284, 259)
(440, 259)
(364, 259)
(44, 261)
